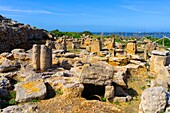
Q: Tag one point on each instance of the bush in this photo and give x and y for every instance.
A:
(12, 102)
(35, 100)
(142, 87)
(58, 92)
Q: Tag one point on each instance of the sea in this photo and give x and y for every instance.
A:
(135, 34)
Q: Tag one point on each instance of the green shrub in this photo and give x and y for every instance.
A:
(59, 92)
(142, 87)
(35, 100)
(103, 99)
(117, 103)
(12, 94)
(12, 102)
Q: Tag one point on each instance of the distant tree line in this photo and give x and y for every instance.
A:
(58, 33)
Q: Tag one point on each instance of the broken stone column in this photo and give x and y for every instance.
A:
(131, 47)
(76, 45)
(111, 44)
(157, 61)
(96, 45)
(45, 57)
(36, 56)
(109, 93)
(64, 45)
(146, 56)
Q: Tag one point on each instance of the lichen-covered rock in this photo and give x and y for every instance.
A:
(153, 100)
(26, 91)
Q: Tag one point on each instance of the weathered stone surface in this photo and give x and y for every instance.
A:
(120, 99)
(96, 45)
(153, 100)
(97, 74)
(111, 44)
(4, 83)
(70, 55)
(65, 64)
(150, 47)
(45, 57)
(156, 62)
(160, 82)
(20, 54)
(20, 109)
(163, 74)
(26, 71)
(26, 91)
(101, 74)
(14, 34)
(72, 90)
(131, 48)
(76, 45)
(9, 65)
(162, 53)
(109, 93)
(36, 56)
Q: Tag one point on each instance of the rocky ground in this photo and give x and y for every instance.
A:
(86, 75)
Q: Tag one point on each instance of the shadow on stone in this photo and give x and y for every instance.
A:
(93, 92)
(50, 91)
(131, 92)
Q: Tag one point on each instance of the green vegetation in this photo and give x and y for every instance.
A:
(117, 103)
(103, 99)
(12, 102)
(35, 100)
(142, 87)
(8, 100)
(59, 92)
(71, 34)
(166, 41)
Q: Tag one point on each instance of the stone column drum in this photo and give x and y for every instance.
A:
(45, 57)
(36, 56)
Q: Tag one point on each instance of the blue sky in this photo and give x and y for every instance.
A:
(92, 15)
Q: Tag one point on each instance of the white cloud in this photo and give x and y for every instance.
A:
(9, 9)
(132, 8)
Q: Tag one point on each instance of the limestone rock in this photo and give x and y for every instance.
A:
(14, 34)
(156, 62)
(4, 83)
(162, 53)
(160, 82)
(70, 55)
(20, 109)
(131, 48)
(153, 100)
(9, 65)
(109, 93)
(101, 74)
(26, 91)
(120, 99)
(72, 90)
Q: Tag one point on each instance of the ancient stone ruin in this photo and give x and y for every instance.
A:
(64, 74)
(41, 57)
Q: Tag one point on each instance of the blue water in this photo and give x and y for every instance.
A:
(138, 35)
